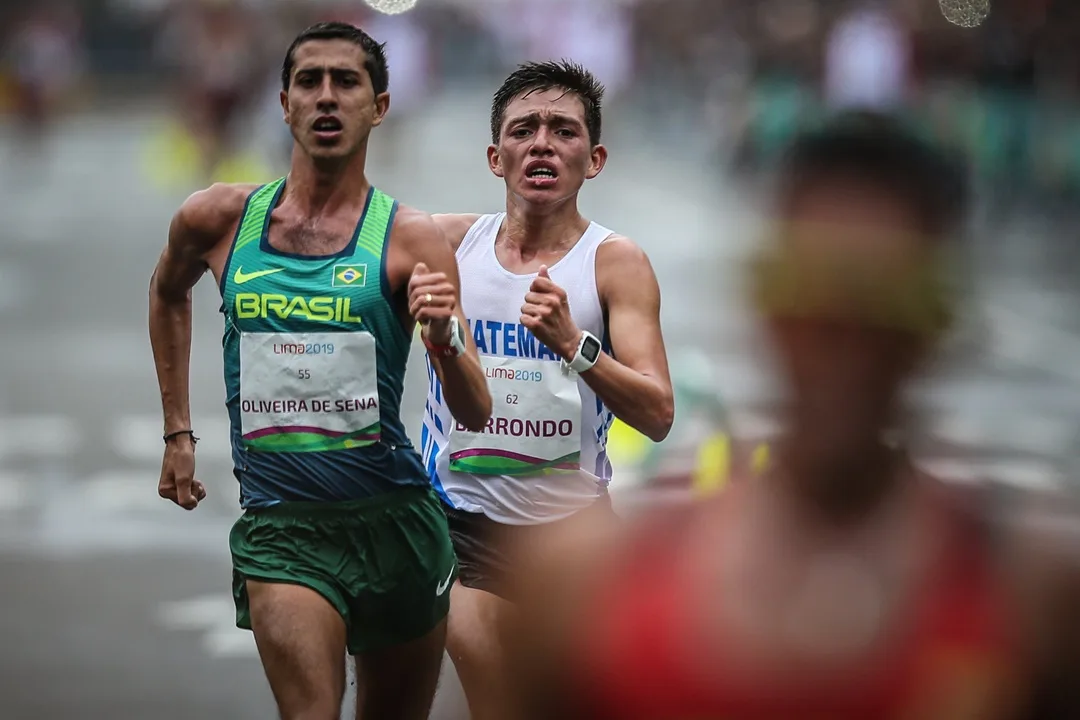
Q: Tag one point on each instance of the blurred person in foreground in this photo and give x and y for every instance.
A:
(843, 583)
(343, 544)
(566, 316)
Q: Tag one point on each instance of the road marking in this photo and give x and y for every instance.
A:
(39, 436)
(138, 437)
(214, 617)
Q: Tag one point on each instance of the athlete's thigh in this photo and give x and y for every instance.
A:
(399, 682)
(301, 640)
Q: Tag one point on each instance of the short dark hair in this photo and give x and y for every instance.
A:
(540, 76)
(374, 52)
(880, 150)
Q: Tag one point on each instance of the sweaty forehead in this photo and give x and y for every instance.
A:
(547, 104)
(328, 54)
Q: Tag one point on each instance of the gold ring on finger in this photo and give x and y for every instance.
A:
(427, 299)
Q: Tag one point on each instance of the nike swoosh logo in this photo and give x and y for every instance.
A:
(240, 277)
(441, 587)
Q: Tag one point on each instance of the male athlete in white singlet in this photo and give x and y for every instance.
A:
(566, 317)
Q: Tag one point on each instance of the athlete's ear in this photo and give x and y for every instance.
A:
(597, 161)
(285, 106)
(382, 106)
(495, 161)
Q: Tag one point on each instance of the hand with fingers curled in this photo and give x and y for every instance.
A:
(546, 313)
(177, 482)
(432, 302)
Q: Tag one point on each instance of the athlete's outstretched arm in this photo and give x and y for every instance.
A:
(203, 221)
(637, 386)
(435, 273)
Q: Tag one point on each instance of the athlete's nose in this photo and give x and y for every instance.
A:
(327, 101)
(541, 142)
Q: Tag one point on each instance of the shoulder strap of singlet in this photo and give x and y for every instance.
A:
(378, 220)
(253, 222)
(257, 213)
(480, 231)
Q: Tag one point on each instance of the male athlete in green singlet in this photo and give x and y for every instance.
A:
(343, 544)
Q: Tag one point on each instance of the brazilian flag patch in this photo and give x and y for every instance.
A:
(349, 276)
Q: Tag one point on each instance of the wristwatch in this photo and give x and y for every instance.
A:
(456, 348)
(586, 355)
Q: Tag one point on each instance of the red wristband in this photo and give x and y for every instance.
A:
(439, 351)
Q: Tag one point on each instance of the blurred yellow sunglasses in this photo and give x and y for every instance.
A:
(791, 280)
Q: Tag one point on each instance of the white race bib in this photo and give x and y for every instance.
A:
(534, 425)
(308, 392)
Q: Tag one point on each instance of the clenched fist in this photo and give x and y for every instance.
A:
(432, 301)
(546, 313)
(177, 482)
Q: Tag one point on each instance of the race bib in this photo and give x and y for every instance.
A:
(308, 392)
(534, 425)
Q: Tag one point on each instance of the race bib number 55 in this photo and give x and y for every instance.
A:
(308, 392)
(534, 427)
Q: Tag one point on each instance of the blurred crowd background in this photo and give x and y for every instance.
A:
(112, 111)
(738, 75)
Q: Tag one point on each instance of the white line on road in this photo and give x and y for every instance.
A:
(214, 617)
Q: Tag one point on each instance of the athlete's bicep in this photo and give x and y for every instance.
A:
(631, 296)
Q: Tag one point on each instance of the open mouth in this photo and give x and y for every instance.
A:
(541, 173)
(327, 126)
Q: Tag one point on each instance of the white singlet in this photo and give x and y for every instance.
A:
(542, 456)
